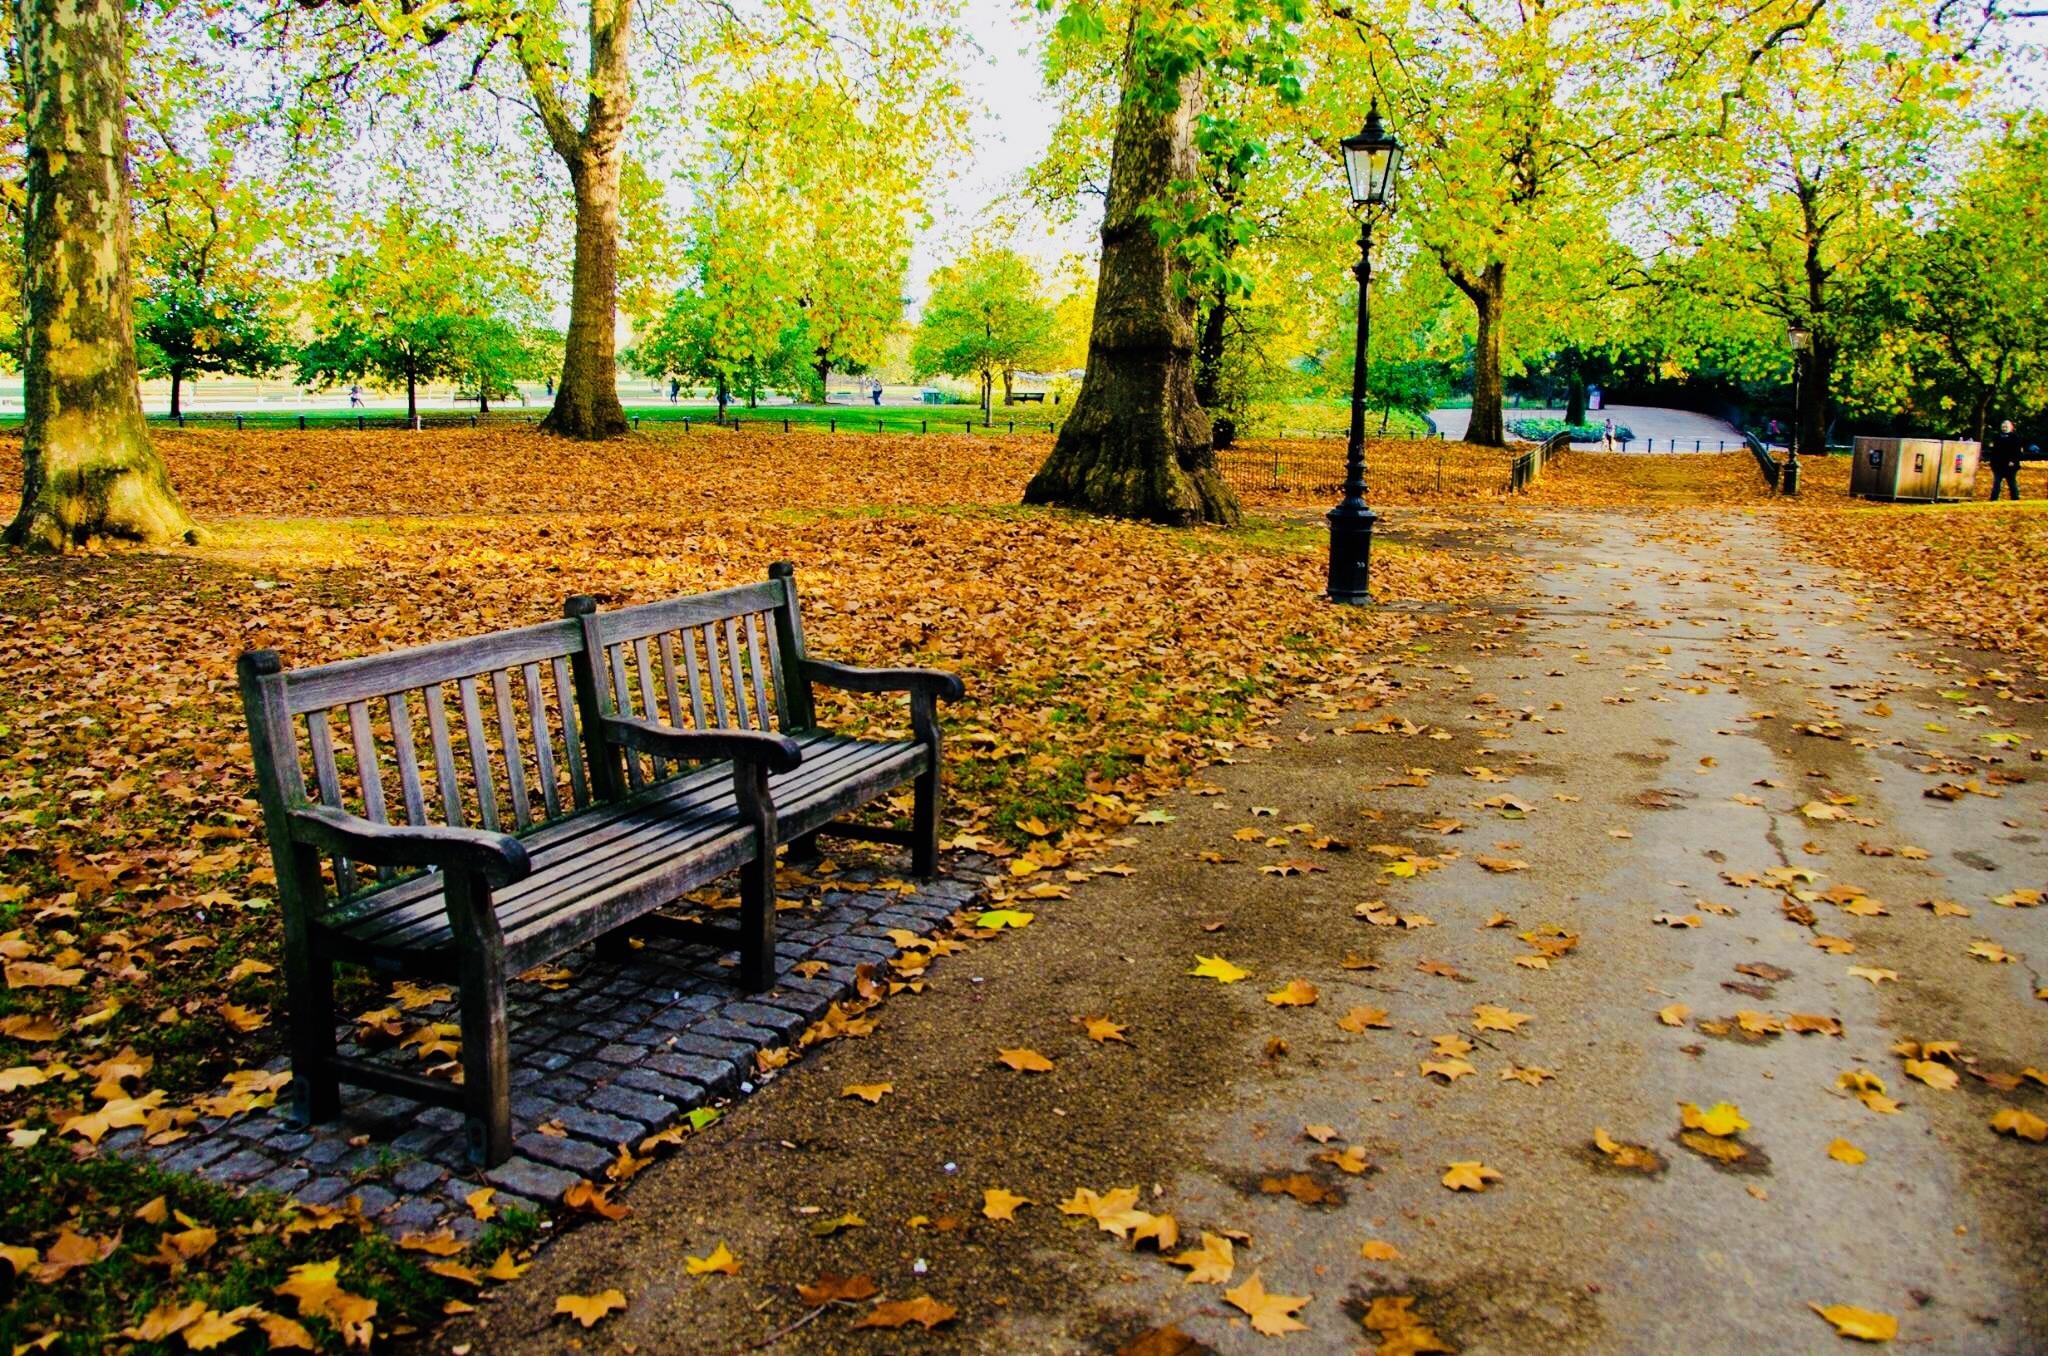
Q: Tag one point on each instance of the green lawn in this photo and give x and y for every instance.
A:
(1029, 418)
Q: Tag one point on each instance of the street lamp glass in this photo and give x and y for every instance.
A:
(1372, 159)
(1799, 337)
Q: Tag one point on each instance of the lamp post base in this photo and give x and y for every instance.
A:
(1788, 479)
(1351, 554)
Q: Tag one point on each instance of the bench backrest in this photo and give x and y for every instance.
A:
(481, 732)
(729, 660)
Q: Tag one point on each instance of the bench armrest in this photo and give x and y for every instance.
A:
(937, 682)
(498, 857)
(779, 753)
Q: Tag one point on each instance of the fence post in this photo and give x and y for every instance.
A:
(785, 425)
(832, 424)
(636, 421)
(686, 425)
(924, 426)
(359, 423)
(238, 423)
(181, 419)
(302, 423)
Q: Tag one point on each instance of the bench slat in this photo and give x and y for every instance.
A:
(693, 677)
(444, 755)
(479, 754)
(656, 767)
(592, 856)
(508, 732)
(739, 680)
(675, 614)
(572, 737)
(762, 719)
(696, 851)
(666, 647)
(715, 665)
(399, 706)
(321, 736)
(543, 741)
(586, 862)
(353, 680)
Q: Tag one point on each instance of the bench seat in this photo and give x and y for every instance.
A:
(599, 869)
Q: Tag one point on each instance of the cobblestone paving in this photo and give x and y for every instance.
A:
(615, 1051)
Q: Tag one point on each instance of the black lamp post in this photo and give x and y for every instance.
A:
(1801, 339)
(1371, 160)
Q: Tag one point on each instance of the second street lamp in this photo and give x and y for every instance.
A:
(1372, 159)
(1801, 340)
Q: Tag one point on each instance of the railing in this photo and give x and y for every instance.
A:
(1765, 462)
(1527, 468)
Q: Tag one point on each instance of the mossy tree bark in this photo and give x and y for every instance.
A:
(1137, 444)
(587, 397)
(88, 471)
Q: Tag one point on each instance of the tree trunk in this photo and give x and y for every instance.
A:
(1816, 378)
(724, 396)
(1137, 444)
(177, 385)
(587, 398)
(823, 367)
(988, 386)
(1575, 400)
(412, 401)
(88, 470)
(483, 395)
(1009, 386)
(1488, 294)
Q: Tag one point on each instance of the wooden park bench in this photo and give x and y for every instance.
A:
(573, 778)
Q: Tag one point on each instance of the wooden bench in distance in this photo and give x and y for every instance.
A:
(573, 778)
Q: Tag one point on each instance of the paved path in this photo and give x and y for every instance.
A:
(1641, 734)
(1644, 421)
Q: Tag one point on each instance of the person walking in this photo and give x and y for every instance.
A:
(1607, 434)
(2003, 454)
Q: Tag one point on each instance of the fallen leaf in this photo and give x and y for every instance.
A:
(1469, 1176)
(1025, 1061)
(997, 1203)
(1218, 969)
(1489, 1017)
(1209, 1264)
(1863, 1324)
(719, 1260)
(831, 1288)
(1296, 993)
(588, 1309)
(1374, 1250)
(2020, 1124)
(924, 1311)
(1842, 1151)
(1362, 1018)
(867, 1092)
(1270, 1314)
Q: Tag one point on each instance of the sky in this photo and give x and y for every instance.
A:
(1011, 126)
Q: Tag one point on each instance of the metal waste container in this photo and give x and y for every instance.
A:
(1924, 470)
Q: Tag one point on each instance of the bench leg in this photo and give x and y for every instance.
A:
(309, 990)
(924, 825)
(485, 1056)
(757, 924)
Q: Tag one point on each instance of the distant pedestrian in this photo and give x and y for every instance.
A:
(675, 388)
(2003, 453)
(1607, 434)
(875, 390)
(551, 387)
(355, 397)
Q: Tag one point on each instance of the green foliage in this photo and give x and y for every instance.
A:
(184, 327)
(1538, 430)
(417, 307)
(987, 317)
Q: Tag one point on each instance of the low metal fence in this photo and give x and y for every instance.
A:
(1527, 467)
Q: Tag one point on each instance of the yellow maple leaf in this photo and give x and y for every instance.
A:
(1492, 1017)
(1720, 1120)
(1376, 1251)
(2020, 1124)
(1673, 1014)
(997, 1203)
(719, 1260)
(1933, 1074)
(1270, 1314)
(867, 1092)
(317, 1288)
(588, 1309)
(1470, 1176)
(1863, 1324)
(1296, 993)
(1450, 1070)
(1218, 969)
(1210, 1264)
(1361, 1018)
(1842, 1151)
(1102, 1029)
(1025, 1061)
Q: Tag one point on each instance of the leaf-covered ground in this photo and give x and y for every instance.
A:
(136, 913)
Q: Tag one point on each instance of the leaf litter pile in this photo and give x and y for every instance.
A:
(1106, 663)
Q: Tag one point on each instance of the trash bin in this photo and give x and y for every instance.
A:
(1914, 470)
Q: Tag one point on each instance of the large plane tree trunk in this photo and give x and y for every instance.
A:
(587, 398)
(1137, 444)
(1488, 292)
(88, 470)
